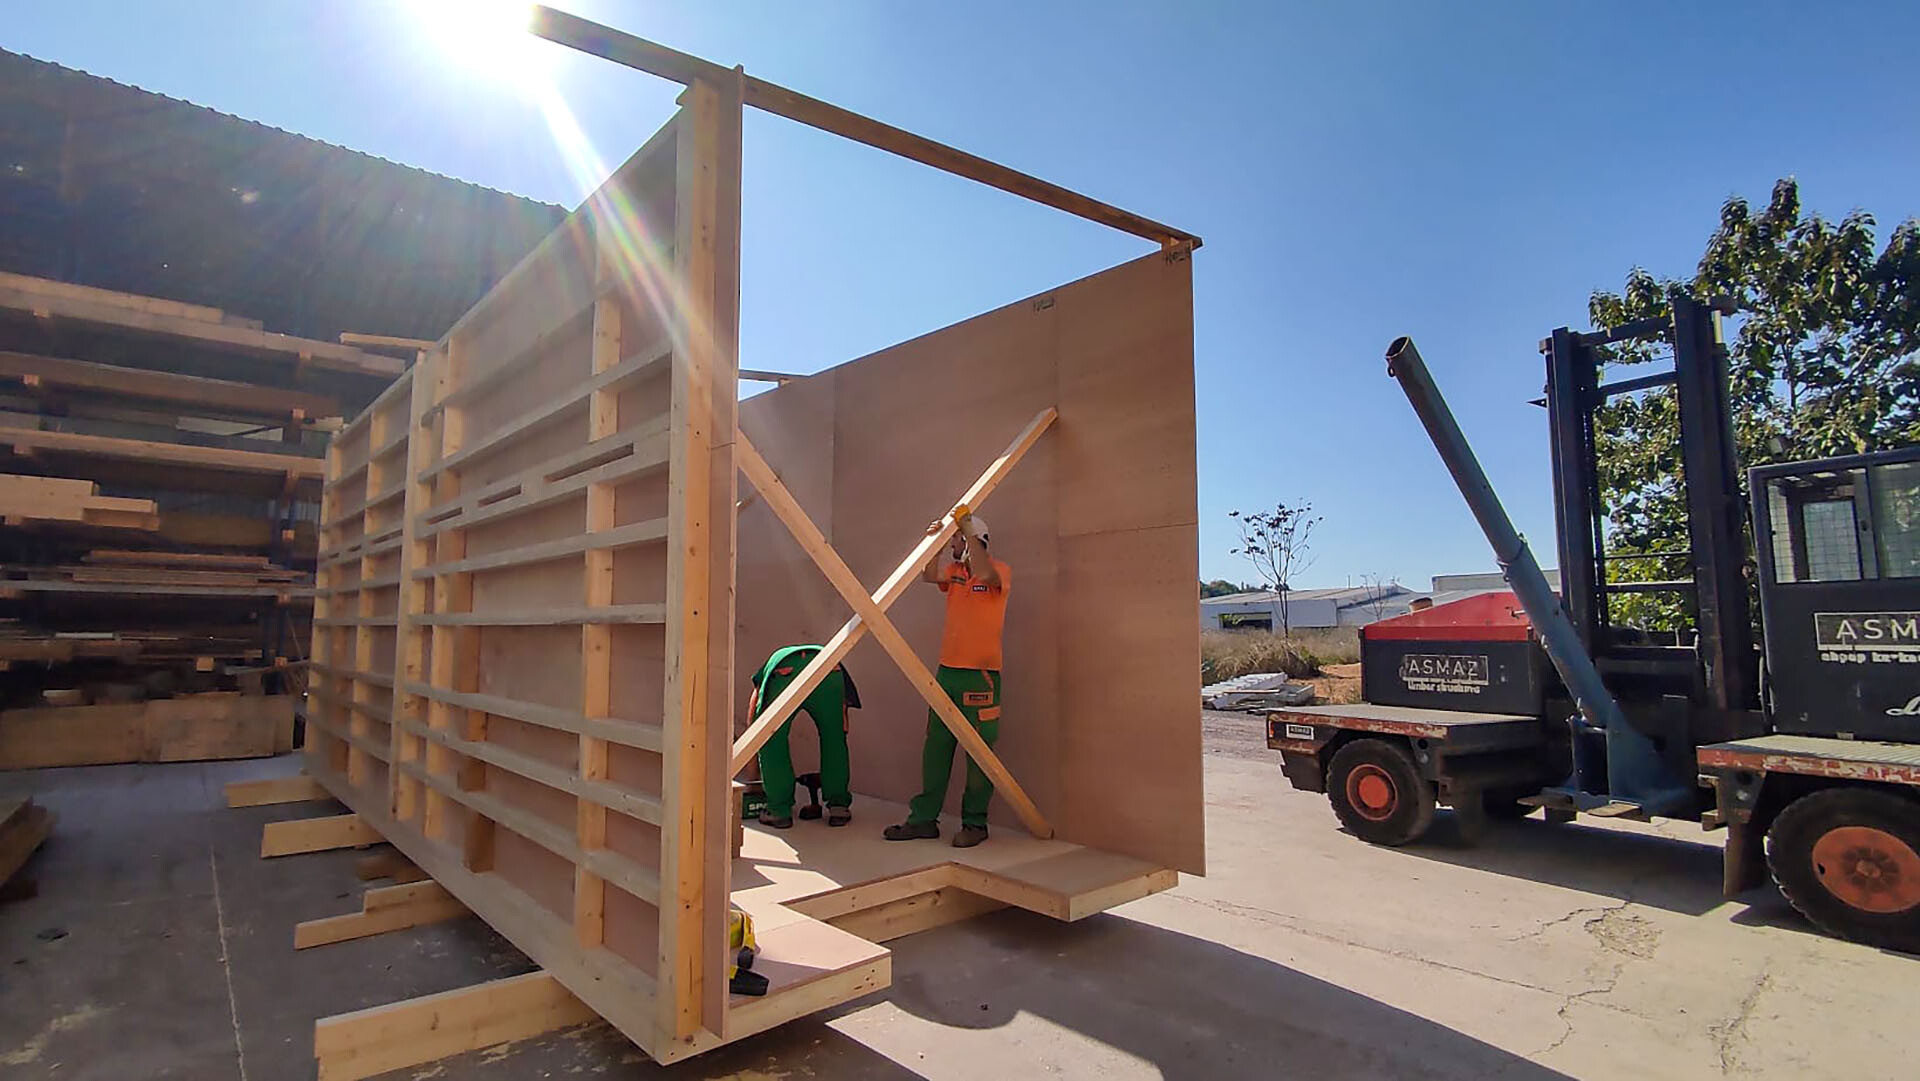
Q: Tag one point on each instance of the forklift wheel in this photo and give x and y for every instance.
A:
(1849, 860)
(1378, 794)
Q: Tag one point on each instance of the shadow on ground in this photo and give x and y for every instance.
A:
(1670, 873)
(1189, 1007)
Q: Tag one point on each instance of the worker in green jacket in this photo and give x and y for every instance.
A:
(828, 706)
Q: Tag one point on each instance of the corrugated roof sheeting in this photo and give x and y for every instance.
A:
(112, 186)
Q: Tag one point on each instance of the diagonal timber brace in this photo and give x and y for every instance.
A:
(870, 616)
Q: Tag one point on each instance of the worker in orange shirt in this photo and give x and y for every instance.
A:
(976, 586)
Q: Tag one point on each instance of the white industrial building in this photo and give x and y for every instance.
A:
(1306, 608)
(1354, 606)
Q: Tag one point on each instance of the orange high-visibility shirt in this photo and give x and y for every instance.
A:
(976, 612)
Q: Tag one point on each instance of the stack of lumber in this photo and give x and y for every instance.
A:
(25, 500)
(160, 475)
(164, 572)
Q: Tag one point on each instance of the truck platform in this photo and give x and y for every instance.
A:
(1304, 729)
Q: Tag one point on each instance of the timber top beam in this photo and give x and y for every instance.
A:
(684, 68)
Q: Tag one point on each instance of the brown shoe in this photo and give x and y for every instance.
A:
(969, 836)
(912, 831)
(839, 816)
(777, 823)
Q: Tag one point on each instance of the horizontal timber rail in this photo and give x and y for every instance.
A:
(685, 68)
(547, 617)
(626, 536)
(558, 840)
(616, 797)
(636, 734)
(618, 457)
(632, 370)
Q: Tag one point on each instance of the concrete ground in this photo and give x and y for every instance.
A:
(160, 946)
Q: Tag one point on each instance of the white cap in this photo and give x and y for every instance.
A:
(979, 525)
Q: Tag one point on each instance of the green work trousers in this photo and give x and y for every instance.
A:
(827, 705)
(977, 693)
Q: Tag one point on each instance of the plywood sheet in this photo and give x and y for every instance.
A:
(1098, 523)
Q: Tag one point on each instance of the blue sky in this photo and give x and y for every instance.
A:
(1463, 173)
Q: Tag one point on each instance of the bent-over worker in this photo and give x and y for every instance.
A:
(827, 705)
(976, 586)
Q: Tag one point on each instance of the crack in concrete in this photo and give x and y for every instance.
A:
(1726, 1033)
(226, 963)
(1613, 980)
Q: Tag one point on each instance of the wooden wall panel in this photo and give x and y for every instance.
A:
(551, 559)
(1099, 525)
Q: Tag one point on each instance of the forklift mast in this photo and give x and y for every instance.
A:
(1720, 671)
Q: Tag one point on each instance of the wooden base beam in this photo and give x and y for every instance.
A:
(316, 835)
(293, 789)
(388, 865)
(374, 1041)
(388, 908)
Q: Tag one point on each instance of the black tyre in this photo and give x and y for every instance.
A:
(1378, 794)
(1503, 804)
(1849, 860)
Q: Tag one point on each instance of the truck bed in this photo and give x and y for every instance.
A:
(1458, 731)
(1819, 756)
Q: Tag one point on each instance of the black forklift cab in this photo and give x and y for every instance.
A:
(1838, 543)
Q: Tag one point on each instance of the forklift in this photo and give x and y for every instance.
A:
(1803, 745)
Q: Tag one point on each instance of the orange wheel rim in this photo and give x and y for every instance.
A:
(1869, 869)
(1371, 792)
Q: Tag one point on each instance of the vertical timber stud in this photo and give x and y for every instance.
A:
(409, 649)
(596, 639)
(360, 692)
(721, 513)
(326, 580)
(448, 545)
(681, 972)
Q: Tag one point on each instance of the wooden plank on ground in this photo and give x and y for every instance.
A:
(316, 835)
(23, 826)
(381, 1039)
(274, 790)
(388, 908)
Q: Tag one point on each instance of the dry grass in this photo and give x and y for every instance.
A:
(1226, 654)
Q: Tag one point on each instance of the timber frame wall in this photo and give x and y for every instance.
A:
(546, 503)
(527, 583)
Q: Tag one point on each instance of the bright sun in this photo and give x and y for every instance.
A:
(488, 38)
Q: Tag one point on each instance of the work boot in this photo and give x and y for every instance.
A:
(912, 831)
(839, 816)
(777, 823)
(969, 836)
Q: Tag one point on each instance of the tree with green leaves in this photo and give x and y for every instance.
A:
(1220, 587)
(1824, 360)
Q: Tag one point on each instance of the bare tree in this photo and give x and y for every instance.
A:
(1276, 542)
(1379, 589)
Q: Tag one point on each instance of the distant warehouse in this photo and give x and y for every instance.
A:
(1354, 606)
(1305, 608)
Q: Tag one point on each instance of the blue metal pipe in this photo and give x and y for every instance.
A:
(1542, 605)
